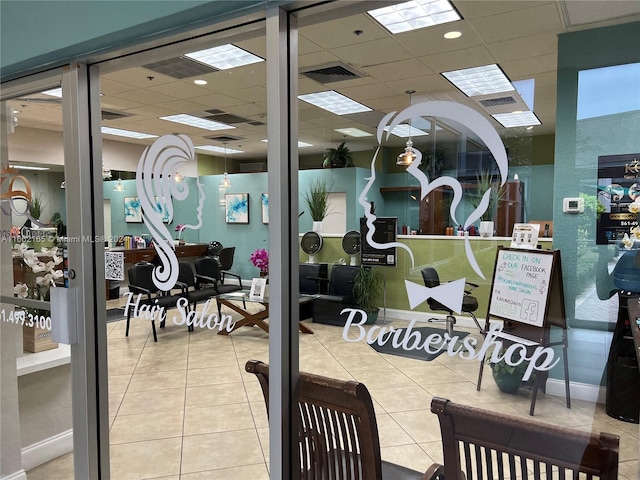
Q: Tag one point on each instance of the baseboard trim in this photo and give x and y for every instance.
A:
(46, 450)
(579, 391)
(19, 475)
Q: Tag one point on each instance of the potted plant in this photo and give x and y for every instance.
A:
(508, 378)
(37, 206)
(485, 182)
(367, 287)
(317, 200)
(338, 157)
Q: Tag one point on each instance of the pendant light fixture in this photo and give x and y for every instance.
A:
(226, 182)
(178, 177)
(119, 187)
(407, 157)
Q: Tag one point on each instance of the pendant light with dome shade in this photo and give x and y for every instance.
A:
(225, 183)
(407, 157)
(311, 243)
(351, 245)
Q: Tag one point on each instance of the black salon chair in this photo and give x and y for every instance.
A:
(141, 283)
(193, 291)
(209, 275)
(226, 262)
(469, 303)
(327, 308)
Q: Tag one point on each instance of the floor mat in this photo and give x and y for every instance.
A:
(421, 353)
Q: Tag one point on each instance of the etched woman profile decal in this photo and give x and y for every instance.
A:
(155, 183)
(485, 132)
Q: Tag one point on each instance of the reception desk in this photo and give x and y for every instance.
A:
(187, 251)
(446, 254)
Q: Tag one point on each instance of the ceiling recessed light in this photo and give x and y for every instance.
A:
(56, 92)
(199, 81)
(126, 133)
(197, 122)
(354, 132)
(334, 102)
(225, 57)
(480, 80)
(415, 14)
(301, 144)
(530, 127)
(522, 119)
(453, 34)
(214, 148)
(404, 131)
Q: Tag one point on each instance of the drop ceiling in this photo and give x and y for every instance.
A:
(520, 36)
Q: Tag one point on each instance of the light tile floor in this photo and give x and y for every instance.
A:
(184, 408)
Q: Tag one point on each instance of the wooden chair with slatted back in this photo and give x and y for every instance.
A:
(490, 445)
(337, 430)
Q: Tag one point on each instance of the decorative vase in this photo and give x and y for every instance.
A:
(317, 227)
(486, 229)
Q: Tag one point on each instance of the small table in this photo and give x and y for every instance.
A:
(258, 319)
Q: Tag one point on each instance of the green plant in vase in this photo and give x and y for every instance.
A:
(367, 287)
(37, 206)
(508, 378)
(317, 200)
(338, 157)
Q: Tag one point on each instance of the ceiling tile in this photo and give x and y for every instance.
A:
(426, 84)
(409, 68)
(427, 41)
(371, 53)
(520, 23)
(471, 9)
(217, 100)
(138, 77)
(468, 57)
(315, 59)
(367, 92)
(525, 47)
(339, 33)
(144, 95)
(528, 67)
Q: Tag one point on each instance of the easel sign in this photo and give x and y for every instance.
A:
(521, 285)
(527, 293)
(258, 287)
(525, 235)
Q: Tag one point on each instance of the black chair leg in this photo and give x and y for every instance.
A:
(477, 323)
(128, 318)
(153, 327)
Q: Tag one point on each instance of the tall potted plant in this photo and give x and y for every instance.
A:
(338, 157)
(485, 182)
(367, 287)
(317, 200)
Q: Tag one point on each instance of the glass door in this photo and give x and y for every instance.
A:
(36, 370)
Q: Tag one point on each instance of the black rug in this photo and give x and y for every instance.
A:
(418, 354)
(115, 314)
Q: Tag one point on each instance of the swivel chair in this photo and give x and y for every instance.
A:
(469, 303)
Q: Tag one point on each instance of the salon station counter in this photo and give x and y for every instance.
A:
(445, 253)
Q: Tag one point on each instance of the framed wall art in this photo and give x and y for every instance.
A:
(264, 201)
(237, 208)
(132, 210)
(161, 208)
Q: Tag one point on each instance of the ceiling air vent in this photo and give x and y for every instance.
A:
(332, 72)
(256, 123)
(111, 115)
(227, 118)
(179, 67)
(495, 102)
(223, 138)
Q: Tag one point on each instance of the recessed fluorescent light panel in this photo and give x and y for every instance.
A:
(28, 167)
(354, 132)
(214, 148)
(197, 122)
(300, 143)
(334, 102)
(56, 92)
(415, 14)
(224, 57)
(519, 119)
(125, 133)
(404, 131)
(480, 80)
